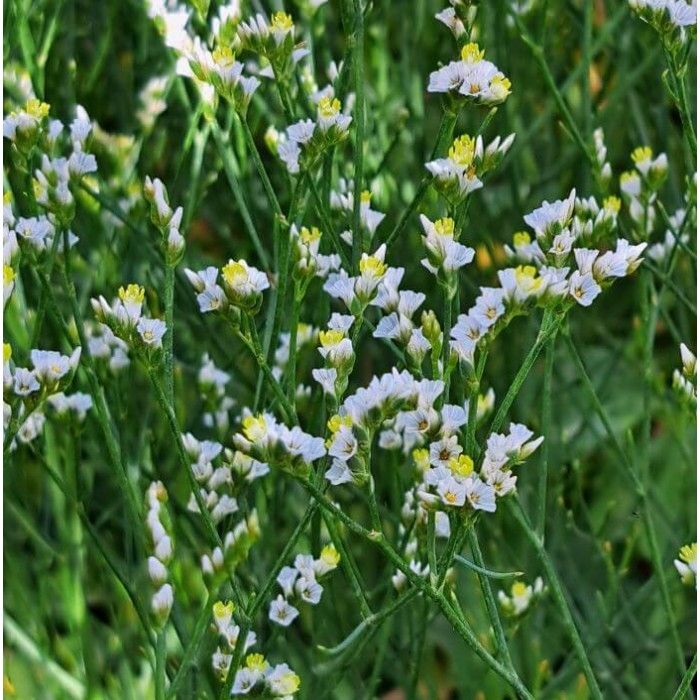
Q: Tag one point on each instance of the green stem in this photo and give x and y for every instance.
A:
(684, 687)
(460, 625)
(446, 328)
(547, 328)
(259, 166)
(193, 645)
(253, 344)
(358, 62)
(490, 600)
(98, 398)
(559, 598)
(231, 170)
(541, 505)
(447, 125)
(169, 294)
(160, 665)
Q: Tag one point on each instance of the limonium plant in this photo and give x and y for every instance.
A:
(349, 349)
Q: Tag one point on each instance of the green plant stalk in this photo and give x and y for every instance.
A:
(185, 462)
(474, 403)
(291, 370)
(641, 490)
(160, 665)
(538, 54)
(41, 310)
(680, 99)
(447, 125)
(358, 64)
(253, 344)
(257, 601)
(559, 597)
(684, 688)
(193, 645)
(326, 221)
(16, 636)
(648, 328)
(547, 328)
(460, 626)
(349, 566)
(545, 429)
(168, 367)
(490, 600)
(227, 160)
(446, 329)
(260, 167)
(96, 392)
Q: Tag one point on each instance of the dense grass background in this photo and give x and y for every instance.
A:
(608, 66)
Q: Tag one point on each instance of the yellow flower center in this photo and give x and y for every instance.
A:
(223, 56)
(501, 82)
(256, 662)
(37, 108)
(254, 427)
(462, 151)
(281, 21)
(445, 226)
(8, 275)
(612, 204)
(471, 53)
(372, 266)
(328, 107)
(689, 552)
(330, 555)
(235, 273)
(421, 458)
(526, 277)
(365, 196)
(521, 238)
(6, 352)
(641, 154)
(518, 589)
(309, 236)
(451, 497)
(462, 466)
(330, 338)
(133, 294)
(223, 610)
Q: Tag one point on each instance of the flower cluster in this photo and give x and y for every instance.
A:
(458, 175)
(343, 200)
(242, 289)
(301, 584)
(270, 681)
(273, 444)
(308, 260)
(234, 550)
(104, 346)
(303, 142)
(26, 390)
(126, 319)
(472, 79)
(159, 528)
(165, 220)
(521, 598)
(228, 632)
(666, 16)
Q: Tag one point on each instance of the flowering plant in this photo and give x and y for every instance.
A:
(377, 385)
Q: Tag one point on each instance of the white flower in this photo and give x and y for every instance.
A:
(245, 681)
(552, 217)
(50, 366)
(281, 612)
(445, 449)
(452, 492)
(151, 331)
(309, 590)
(162, 601)
(25, 382)
(481, 496)
(339, 473)
(286, 579)
(326, 378)
(583, 288)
